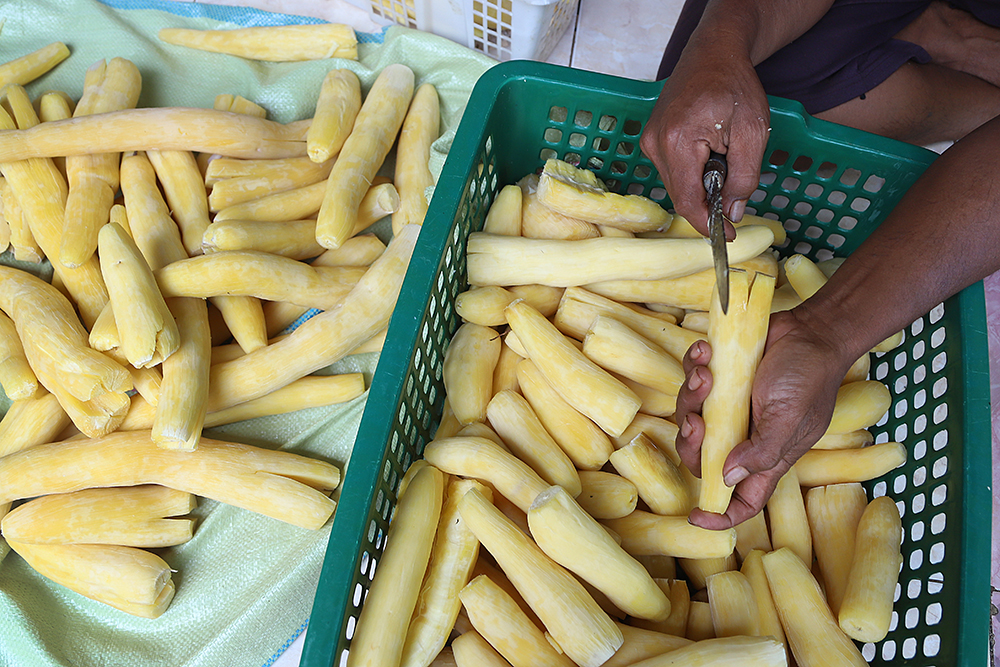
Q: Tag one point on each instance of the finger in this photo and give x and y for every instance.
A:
(687, 189)
(744, 157)
(688, 442)
(748, 499)
(699, 354)
(693, 393)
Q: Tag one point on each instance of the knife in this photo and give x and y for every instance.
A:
(714, 177)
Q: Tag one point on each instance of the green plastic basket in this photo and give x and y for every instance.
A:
(830, 186)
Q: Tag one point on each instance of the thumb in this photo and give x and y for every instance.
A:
(753, 456)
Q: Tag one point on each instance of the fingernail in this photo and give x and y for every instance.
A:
(694, 382)
(686, 428)
(735, 476)
(736, 210)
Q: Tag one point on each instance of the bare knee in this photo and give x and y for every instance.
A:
(921, 104)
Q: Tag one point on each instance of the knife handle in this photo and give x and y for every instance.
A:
(715, 172)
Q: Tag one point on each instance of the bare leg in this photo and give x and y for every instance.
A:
(921, 104)
(958, 40)
(943, 100)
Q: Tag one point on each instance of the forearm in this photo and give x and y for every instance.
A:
(756, 29)
(943, 236)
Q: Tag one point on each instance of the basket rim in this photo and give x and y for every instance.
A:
(337, 578)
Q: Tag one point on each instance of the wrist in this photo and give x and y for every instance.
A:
(833, 327)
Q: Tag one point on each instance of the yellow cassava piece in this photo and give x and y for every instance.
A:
(238, 104)
(40, 190)
(470, 649)
(184, 192)
(803, 275)
(820, 467)
(147, 330)
(850, 440)
(641, 644)
(737, 339)
(336, 110)
(180, 408)
(518, 426)
(514, 260)
(157, 128)
(834, 512)
(413, 175)
(733, 605)
(577, 625)
(323, 339)
(18, 233)
(132, 580)
(578, 308)
(262, 178)
(451, 561)
(656, 478)
(54, 105)
(605, 495)
(752, 534)
(577, 193)
(751, 652)
(866, 612)
(280, 43)
(93, 179)
(538, 221)
(499, 619)
(692, 292)
(304, 202)
(811, 630)
(582, 383)
(357, 251)
(583, 441)
(768, 623)
(31, 421)
(698, 570)
(389, 605)
(16, 377)
(295, 239)
(485, 460)
(859, 405)
(648, 534)
(284, 486)
(786, 513)
(681, 228)
(504, 216)
(616, 347)
(90, 386)
(27, 68)
(311, 391)
(181, 176)
(699, 625)
(375, 130)
(468, 371)
(260, 274)
(575, 540)
(130, 516)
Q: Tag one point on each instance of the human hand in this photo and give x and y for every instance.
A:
(793, 395)
(713, 101)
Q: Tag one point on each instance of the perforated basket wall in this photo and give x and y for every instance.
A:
(501, 29)
(830, 186)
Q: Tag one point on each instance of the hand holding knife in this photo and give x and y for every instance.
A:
(714, 178)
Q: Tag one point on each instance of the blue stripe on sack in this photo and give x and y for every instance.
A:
(284, 647)
(243, 16)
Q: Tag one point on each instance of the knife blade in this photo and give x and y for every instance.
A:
(714, 177)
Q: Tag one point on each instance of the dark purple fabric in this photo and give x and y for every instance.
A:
(847, 53)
